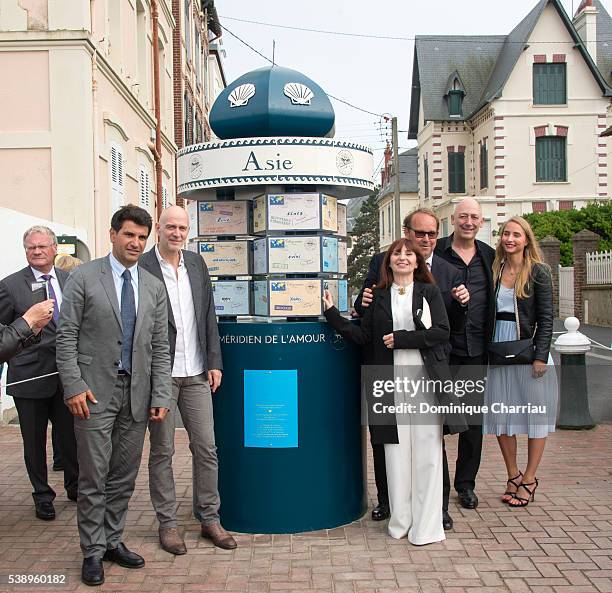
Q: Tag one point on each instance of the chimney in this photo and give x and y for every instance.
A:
(585, 22)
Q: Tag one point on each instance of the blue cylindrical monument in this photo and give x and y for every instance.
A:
(265, 217)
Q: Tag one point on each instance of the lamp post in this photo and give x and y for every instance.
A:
(574, 411)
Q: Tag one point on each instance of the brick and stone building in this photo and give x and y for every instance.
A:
(515, 120)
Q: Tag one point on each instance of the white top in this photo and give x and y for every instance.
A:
(188, 360)
(401, 305)
(54, 282)
(118, 269)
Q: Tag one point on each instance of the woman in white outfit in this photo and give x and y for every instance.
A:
(406, 329)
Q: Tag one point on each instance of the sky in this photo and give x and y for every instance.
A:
(374, 74)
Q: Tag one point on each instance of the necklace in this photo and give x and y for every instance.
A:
(401, 290)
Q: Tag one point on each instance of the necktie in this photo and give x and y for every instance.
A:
(47, 279)
(128, 320)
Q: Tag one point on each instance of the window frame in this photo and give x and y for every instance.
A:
(545, 171)
(484, 165)
(455, 103)
(456, 176)
(544, 72)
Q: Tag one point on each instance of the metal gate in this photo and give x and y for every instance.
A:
(566, 292)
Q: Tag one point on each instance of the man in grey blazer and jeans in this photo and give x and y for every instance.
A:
(114, 363)
(195, 350)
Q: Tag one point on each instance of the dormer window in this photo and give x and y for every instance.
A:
(455, 92)
(455, 100)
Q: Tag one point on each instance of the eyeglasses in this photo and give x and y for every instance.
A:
(423, 234)
(31, 248)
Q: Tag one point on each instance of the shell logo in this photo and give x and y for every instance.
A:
(240, 96)
(299, 93)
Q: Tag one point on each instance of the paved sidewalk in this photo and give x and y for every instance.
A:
(562, 543)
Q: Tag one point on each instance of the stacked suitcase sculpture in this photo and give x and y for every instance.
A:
(273, 256)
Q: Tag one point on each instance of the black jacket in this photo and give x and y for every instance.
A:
(446, 276)
(14, 338)
(201, 291)
(432, 344)
(535, 312)
(39, 359)
(488, 257)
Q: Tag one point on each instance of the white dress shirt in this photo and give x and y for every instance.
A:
(188, 359)
(118, 269)
(54, 282)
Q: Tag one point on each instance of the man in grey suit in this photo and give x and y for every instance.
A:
(114, 363)
(196, 373)
(40, 400)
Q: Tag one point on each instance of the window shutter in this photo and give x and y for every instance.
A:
(117, 179)
(456, 172)
(120, 177)
(549, 84)
(164, 196)
(557, 83)
(455, 99)
(113, 160)
(550, 159)
(426, 176)
(144, 188)
(484, 166)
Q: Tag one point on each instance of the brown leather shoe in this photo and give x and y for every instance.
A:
(170, 540)
(221, 538)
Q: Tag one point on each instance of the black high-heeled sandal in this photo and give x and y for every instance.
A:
(523, 502)
(507, 492)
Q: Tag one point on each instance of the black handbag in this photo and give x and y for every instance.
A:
(514, 352)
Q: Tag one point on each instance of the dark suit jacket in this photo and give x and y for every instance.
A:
(446, 276)
(488, 256)
(15, 300)
(432, 344)
(201, 290)
(14, 338)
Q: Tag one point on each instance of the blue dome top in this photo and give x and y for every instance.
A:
(272, 101)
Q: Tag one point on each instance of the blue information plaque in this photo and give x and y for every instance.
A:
(270, 408)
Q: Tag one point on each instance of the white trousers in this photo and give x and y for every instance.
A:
(414, 479)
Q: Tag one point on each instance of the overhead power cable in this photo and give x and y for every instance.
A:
(440, 38)
(271, 62)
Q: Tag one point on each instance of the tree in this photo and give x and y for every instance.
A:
(365, 242)
(563, 224)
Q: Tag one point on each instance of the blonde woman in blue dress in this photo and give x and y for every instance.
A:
(524, 309)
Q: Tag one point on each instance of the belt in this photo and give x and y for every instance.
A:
(122, 372)
(505, 316)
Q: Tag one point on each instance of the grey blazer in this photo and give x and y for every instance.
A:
(89, 339)
(201, 290)
(15, 300)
